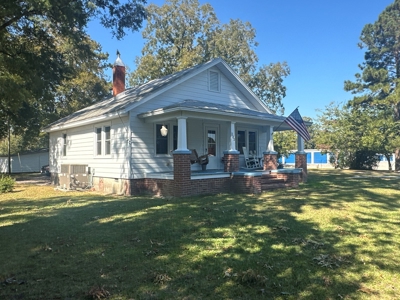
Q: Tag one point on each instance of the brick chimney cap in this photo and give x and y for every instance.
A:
(118, 61)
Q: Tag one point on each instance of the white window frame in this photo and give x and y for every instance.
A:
(102, 140)
(64, 141)
(107, 142)
(170, 139)
(218, 90)
(247, 139)
(97, 131)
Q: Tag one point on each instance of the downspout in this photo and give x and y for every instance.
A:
(130, 147)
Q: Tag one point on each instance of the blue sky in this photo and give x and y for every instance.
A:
(317, 38)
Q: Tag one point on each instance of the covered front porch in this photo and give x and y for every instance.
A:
(223, 133)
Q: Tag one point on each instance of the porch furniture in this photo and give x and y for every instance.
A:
(195, 158)
(251, 161)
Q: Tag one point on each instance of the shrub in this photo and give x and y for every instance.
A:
(364, 160)
(6, 184)
(358, 160)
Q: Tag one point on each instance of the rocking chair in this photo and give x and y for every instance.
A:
(251, 162)
(195, 158)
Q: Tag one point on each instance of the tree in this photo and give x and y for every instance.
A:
(378, 83)
(355, 135)
(31, 65)
(86, 85)
(284, 142)
(267, 84)
(182, 33)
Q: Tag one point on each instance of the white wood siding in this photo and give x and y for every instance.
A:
(144, 158)
(81, 143)
(196, 88)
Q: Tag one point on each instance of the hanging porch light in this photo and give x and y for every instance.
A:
(163, 131)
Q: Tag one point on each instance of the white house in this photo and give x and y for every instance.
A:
(141, 138)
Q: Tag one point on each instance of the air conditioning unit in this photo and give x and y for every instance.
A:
(72, 177)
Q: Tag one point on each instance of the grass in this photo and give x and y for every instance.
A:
(335, 237)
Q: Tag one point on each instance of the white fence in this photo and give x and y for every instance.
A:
(318, 159)
(25, 162)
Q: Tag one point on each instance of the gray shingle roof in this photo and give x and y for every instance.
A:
(119, 103)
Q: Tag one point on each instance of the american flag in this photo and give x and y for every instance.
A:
(295, 121)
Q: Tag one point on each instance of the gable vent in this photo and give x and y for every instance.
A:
(214, 84)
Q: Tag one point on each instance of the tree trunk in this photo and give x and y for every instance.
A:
(389, 163)
(397, 159)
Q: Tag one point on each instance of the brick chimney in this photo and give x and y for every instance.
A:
(118, 75)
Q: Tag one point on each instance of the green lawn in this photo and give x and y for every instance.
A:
(335, 237)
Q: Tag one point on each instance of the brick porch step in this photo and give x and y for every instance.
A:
(270, 178)
(272, 186)
(269, 182)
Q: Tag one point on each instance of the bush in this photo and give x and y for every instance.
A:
(358, 160)
(364, 160)
(6, 184)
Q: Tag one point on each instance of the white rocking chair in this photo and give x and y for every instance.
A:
(251, 161)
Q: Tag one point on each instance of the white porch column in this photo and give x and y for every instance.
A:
(182, 135)
(232, 137)
(270, 139)
(300, 144)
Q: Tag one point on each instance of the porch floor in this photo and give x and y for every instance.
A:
(219, 173)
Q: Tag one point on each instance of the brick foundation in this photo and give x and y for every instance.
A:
(116, 186)
(234, 184)
(158, 187)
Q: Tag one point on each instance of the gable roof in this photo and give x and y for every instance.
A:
(119, 105)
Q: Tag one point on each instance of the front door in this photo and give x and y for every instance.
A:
(212, 147)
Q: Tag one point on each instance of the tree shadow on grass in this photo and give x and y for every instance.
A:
(213, 247)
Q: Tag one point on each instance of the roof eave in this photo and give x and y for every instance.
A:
(84, 122)
(160, 112)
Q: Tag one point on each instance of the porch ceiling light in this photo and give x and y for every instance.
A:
(163, 131)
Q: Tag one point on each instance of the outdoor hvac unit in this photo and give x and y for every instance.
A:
(74, 176)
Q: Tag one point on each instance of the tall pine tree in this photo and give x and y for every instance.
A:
(378, 83)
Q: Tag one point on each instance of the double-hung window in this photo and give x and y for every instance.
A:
(241, 139)
(64, 140)
(98, 141)
(103, 140)
(161, 141)
(165, 144)
(248, 139)
(252, 142)
(107, 140)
